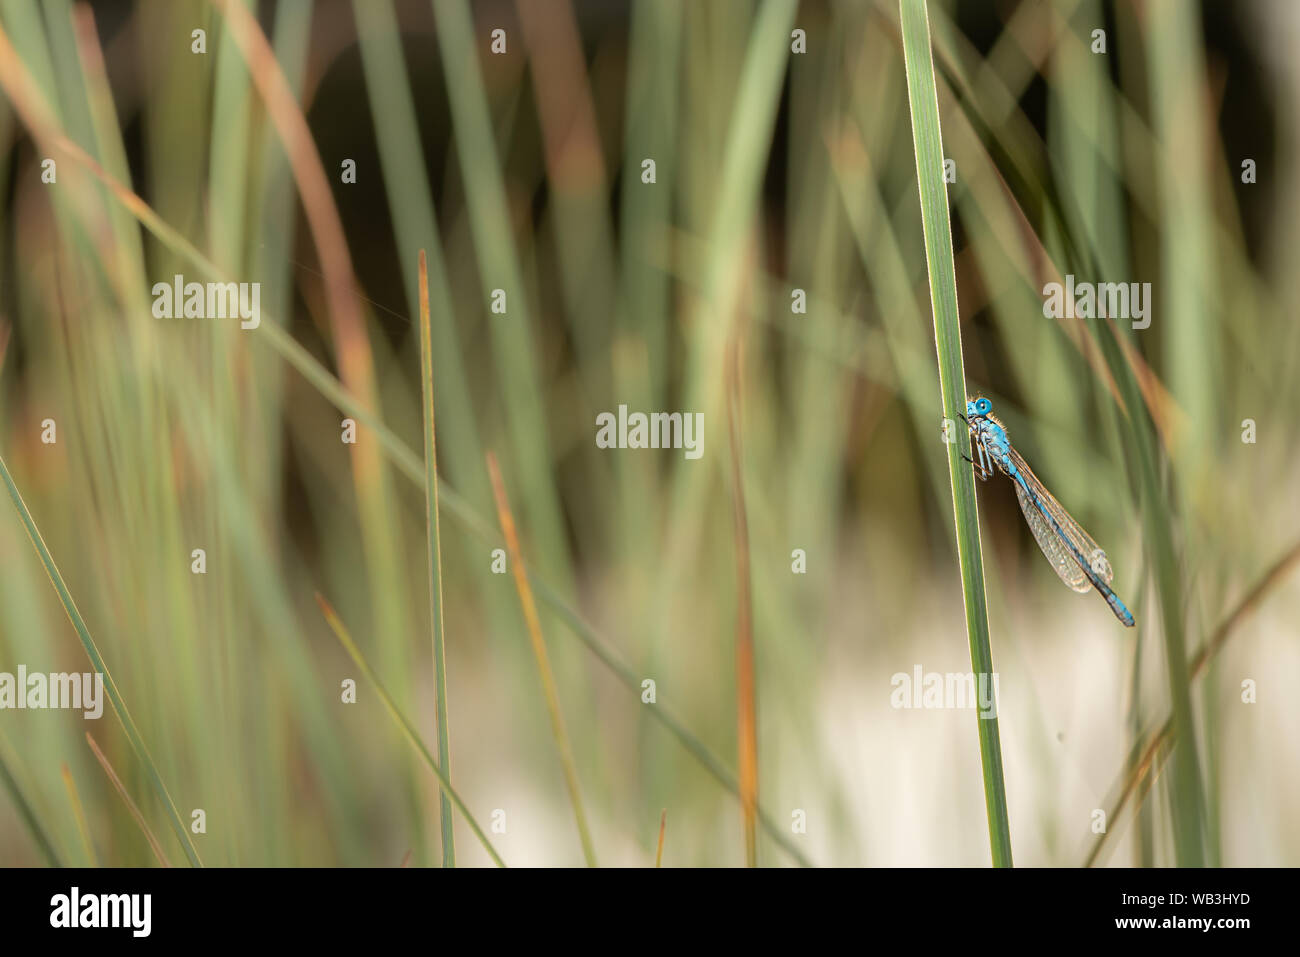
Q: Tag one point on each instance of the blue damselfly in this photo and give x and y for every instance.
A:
(1074, 556)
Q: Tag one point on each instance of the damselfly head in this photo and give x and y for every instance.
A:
(978, 407)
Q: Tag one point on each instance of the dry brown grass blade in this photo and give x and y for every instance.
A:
(746, 694)
(130, 804)
(1152, 754)
(323, 219)
(534, 623)
(78, 814)
(659, 851)
(574, 161)
(30, 105)
(351, 340)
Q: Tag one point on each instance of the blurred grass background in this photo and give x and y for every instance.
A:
(522, 171)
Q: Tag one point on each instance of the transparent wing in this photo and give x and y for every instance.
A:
(1058, 556)
(1073, 576)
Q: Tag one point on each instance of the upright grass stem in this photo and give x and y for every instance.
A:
(924, 103)
(403, 723)
(435, 562)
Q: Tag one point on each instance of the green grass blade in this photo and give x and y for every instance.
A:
(924, 103)
(97, 661)
(407, 462)
(435, 561)
(345, 639)
(27, 812)
(411, 206)
(514, 344)
(1178, 76)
